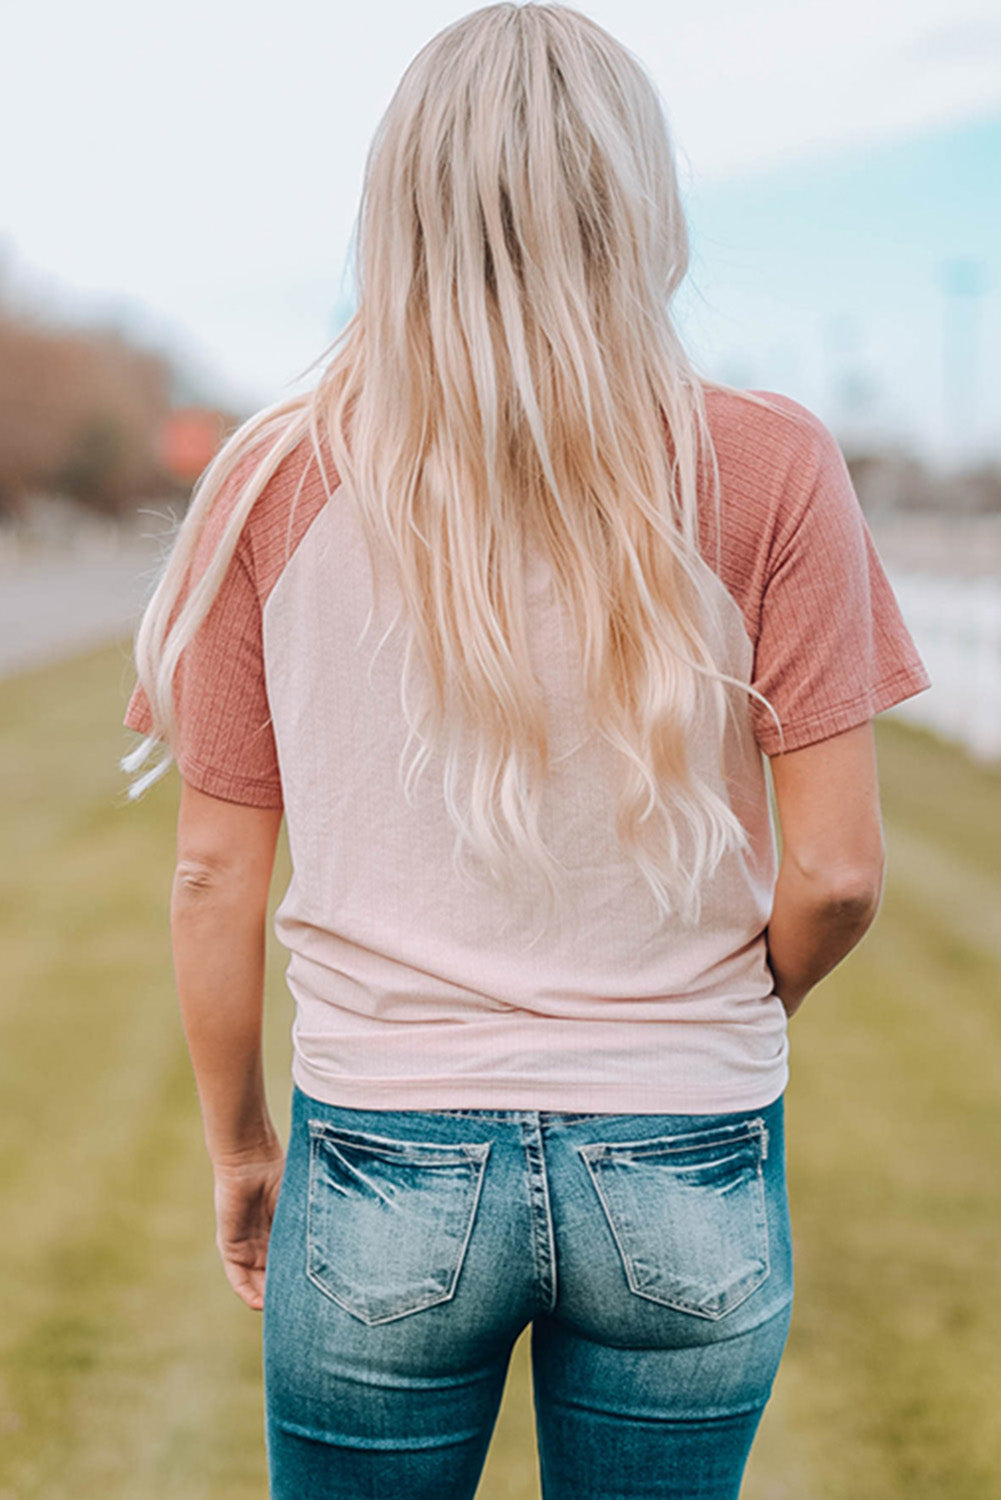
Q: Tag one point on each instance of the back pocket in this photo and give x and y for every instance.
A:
(388, 1221)
(687, 1213)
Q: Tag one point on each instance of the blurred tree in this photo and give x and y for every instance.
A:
(93, 471)
(81, 410)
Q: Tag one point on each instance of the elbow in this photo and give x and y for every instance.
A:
(856, 892)
(850, 887)
(201, 887)
(194, 880)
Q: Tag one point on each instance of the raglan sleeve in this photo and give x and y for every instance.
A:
(832, 649)
(226, 744)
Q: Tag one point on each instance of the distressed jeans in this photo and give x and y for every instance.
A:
(651, 1255)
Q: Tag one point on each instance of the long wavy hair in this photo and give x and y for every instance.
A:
(511, 375)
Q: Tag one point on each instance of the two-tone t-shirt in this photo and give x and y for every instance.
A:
(414, 989)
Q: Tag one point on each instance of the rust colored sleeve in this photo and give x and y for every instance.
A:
(832, 649)
(226, 741)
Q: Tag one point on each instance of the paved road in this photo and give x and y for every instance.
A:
(54, 605)
(59, 602)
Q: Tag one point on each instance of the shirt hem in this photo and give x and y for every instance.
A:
(890, 691)
(491, 1093)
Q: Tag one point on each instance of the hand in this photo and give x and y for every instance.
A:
(246, 1193)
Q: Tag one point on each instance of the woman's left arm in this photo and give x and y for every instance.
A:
(218, 919)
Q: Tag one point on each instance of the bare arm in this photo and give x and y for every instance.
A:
(225, 857)
(830, 878)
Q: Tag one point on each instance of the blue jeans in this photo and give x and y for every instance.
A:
(651, 1254)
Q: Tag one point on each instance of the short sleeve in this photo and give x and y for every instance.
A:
(226, 744)
(832, 648)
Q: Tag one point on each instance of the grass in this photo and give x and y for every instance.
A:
(130, 1371)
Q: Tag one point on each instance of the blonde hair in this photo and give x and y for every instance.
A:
(512, 375)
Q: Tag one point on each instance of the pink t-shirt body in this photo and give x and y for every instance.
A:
(415, 989)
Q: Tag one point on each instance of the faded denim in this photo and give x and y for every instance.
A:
(651, 1254)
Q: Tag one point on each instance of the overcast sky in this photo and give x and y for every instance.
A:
(197, 167)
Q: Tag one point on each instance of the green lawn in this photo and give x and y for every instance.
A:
(130, 1371)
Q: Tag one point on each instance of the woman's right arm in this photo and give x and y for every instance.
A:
(830, 877)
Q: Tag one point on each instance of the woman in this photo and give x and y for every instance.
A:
(542, 971)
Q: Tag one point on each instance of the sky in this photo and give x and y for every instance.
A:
(193, 172)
